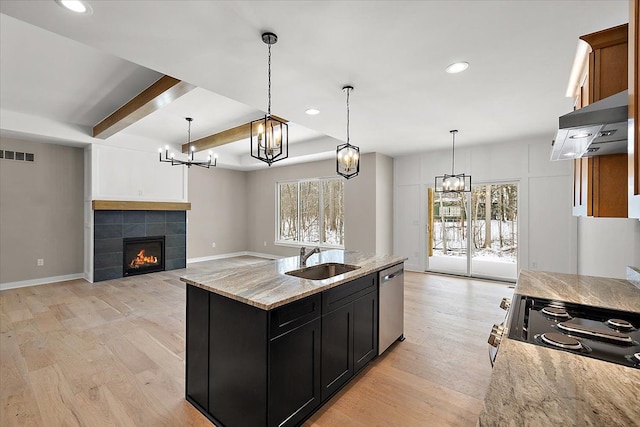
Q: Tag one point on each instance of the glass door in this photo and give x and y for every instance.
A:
(494, 233)
(474, 234)
(448, 235)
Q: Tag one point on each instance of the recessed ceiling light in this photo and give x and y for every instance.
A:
(569, 154)
(457, 67)
(312, 111)
(76, 6)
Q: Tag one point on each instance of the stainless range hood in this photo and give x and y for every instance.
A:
(595, 130)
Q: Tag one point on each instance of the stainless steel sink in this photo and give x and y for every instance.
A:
(322, 271)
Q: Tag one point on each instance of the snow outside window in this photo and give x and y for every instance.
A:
(310, 212)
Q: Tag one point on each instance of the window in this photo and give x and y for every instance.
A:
(310, 212)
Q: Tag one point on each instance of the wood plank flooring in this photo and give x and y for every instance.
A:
(112, 354)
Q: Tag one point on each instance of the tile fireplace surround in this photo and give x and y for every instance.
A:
(112, 226)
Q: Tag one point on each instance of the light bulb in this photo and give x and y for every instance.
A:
(457, 67)
(75, 6)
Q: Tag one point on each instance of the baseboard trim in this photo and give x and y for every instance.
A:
(262, 255)
(43, 281)
(231, 255)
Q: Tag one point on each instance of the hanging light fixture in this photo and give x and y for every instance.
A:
(269, 135)
(191, 161)
(453, 183)
(347, 155)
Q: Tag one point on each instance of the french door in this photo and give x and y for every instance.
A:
(474, 233)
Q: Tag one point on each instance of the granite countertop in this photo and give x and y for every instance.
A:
(532, 385)
(619, 294)
(266, 286)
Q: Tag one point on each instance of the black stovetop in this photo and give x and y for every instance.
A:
(585, 324)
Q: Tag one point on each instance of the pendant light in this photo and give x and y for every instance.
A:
(347, 155)
(269, 135)
(191, 161)
(453, 183)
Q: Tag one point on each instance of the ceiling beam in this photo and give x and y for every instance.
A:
(165, 90)
(228, 136)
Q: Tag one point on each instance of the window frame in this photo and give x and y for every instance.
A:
(298, 243)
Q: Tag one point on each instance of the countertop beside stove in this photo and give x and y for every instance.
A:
(535, 385)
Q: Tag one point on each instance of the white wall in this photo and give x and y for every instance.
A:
(360, 225)
(606, 246)
(547, 231)
(134, 175)
(218, 212)
(40, 214)
(384, 204)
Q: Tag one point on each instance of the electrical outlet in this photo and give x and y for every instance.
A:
(534, 264)
(139, 192)
(265, 243)
(40, 262)
(213, 245)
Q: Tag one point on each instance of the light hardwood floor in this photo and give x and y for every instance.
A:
(112, 354)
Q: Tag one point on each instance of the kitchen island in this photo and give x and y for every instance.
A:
(265, 348)
(532, 385)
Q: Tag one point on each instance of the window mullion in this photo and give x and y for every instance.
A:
(298, 225)
(320, 214)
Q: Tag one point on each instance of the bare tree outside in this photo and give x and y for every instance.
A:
(311, 211)
(288, 203)
(494, 228)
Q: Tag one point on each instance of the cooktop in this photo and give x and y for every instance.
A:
(599, 333)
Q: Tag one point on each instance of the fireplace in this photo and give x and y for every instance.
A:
(143, 255)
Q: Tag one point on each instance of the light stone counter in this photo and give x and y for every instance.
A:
(266, 286)
(532, 385)
(619, 294)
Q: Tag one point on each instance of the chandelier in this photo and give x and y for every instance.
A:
(347, 155)
(191, 161)
(453, 183)
(269, 135)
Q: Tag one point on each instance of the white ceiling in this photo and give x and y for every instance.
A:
(60, 73)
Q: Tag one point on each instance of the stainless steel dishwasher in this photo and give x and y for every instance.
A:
(391, 318)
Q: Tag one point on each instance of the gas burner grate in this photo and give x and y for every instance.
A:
(563, 341)
(619, 324)
(555, 312)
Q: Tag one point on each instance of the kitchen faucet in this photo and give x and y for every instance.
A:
(304, 256)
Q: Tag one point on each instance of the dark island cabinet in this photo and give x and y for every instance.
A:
(197, 347)
(365, 330)
(349, 331)
(294, 375)
(251, 367)
(337, 349)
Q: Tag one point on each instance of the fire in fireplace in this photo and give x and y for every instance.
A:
(143, 255)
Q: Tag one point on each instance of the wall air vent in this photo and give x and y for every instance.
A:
(592, 149)
(17, 155)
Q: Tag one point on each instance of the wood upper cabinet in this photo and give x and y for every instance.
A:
(633, 156)
(600, 183)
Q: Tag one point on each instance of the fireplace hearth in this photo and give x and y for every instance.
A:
(143, 255)
(111, 227)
